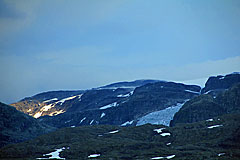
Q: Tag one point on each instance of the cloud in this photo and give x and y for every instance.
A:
(15, 16)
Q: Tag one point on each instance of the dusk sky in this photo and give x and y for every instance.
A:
(81, 44)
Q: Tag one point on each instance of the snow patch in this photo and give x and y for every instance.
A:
(94, 155)
(159, 130)
(215, 126)
(168, 144)
(160, 117)
(112, 132)
(109, 105)
(209, 120)
(221, 154)
(127, 123)
(91, 121)
(165, 134)
(168, 157)
(66, 99)
(102, 115)
(125, 95)
(79, 96)
(46, 108)
(37, 115)
(82, 119)
(158, 158)
(53, 99)
(208, 92)
(192, 91)
(56, 113)
(54, 155)
(73, 126)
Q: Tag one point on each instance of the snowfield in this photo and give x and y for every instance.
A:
(160, 117)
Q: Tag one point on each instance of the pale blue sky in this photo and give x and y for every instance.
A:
(60, 44)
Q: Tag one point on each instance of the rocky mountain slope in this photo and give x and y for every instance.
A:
(122, 106)
(217, 138)
(56, 102)
(17, 127)
(223, 101)
(123, 103)
(216, 84)
(206, 126)
(47, 103)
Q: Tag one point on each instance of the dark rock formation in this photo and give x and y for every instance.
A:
(205, 106)
(220, 83)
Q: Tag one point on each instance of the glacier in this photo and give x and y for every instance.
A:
(160, 117)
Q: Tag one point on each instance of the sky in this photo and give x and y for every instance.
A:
(81, 44)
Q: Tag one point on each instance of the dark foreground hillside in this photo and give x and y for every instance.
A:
(212, 139)
(17, 127)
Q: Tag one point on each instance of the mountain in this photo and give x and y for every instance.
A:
(122, 103)
(122, 106)
(56, 102)
(205, 123)
(46, 103)
(217, 138)
(207, 106)
(132, 84)
(17, 127)
(216, 84)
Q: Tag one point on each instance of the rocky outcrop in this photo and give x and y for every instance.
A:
(205, 106)
(220, 83)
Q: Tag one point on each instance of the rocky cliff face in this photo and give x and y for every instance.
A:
(16, 126)
(206, 106)
(220, 83)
